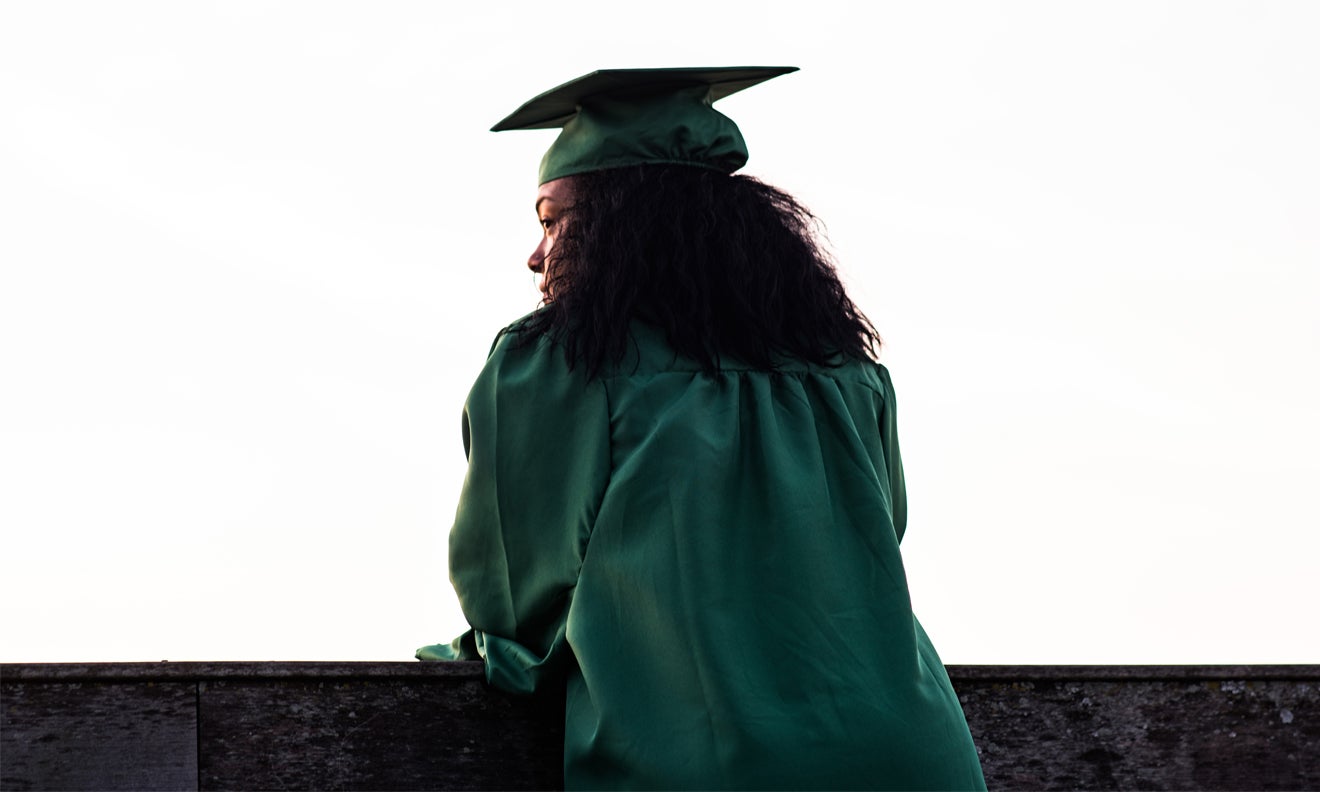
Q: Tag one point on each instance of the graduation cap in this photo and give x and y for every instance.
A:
(614, 118)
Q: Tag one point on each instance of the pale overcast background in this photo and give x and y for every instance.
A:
(252, 256)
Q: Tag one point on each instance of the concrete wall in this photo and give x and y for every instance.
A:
(437, 726)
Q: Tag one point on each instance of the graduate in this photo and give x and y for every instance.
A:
(684, 496)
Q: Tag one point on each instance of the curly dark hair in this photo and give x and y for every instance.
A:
(727, 266)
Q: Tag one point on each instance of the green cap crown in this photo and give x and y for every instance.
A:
(614, 118)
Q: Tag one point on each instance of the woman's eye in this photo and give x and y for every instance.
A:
(546, 222)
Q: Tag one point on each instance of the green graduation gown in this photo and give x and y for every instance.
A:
(712, 564)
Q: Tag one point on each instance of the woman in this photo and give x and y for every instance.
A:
(684, 493)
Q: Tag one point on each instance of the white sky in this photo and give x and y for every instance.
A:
(252, 256)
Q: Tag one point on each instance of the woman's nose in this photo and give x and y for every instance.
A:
(536, 263)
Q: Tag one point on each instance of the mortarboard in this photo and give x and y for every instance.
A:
(614, 118)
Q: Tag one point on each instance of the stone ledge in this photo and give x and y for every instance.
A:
(417, 725)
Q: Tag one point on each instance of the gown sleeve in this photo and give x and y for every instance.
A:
(536, 436)
(893, 460)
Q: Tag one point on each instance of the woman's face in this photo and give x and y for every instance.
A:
(553, 200)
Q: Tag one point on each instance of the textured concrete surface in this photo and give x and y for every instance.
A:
(1155, 729)
(85, 735)
(437, 726)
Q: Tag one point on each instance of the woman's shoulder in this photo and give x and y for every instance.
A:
(523, 353)
(521, 340)
(526, 371)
